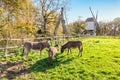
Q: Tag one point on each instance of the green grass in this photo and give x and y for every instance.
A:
(100, 61)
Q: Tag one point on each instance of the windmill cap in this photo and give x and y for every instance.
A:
(89, 19)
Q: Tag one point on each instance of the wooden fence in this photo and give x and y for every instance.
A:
(19, 42)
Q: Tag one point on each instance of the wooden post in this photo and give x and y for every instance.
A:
(60, 19)
(22, 41)
(6, 47)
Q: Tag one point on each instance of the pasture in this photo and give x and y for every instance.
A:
(100, 61)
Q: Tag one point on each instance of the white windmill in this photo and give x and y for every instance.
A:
(92, 24)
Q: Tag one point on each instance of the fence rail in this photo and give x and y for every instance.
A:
(10, 47)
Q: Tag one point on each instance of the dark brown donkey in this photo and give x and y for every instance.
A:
(35, 46)
(73, 44)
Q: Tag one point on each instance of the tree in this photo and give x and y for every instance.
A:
(49, 11)
(77, 27)
(116, 26)
(17, 18)
(110, 28)
(103, 27)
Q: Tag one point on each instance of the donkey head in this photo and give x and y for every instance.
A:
(47, 44)
(62, 49)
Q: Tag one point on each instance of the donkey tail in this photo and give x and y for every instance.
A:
(23, 50)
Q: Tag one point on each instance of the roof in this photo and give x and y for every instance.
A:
(89, 19)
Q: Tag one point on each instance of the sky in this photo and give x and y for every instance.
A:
(107, 9)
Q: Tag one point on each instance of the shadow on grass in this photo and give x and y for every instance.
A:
(42, 65)
(13, 69)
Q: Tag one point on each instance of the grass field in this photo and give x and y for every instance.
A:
(100, 61)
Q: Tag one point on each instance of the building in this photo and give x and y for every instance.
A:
(90, 28)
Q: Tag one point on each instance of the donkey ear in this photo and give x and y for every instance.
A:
(56, 45)
(48, 42)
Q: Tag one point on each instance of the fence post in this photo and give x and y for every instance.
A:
(6, 47)
(22, 41)
(55, 38)
(63, 38)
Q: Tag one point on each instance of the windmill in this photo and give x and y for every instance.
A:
(95, 21)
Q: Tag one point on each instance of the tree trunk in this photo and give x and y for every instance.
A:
(44, 25)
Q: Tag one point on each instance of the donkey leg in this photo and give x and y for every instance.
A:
(40, 53)
(80, 54)
(26, 51)
(80, 50)
(56, 56)
(49, 58)
(69, 50)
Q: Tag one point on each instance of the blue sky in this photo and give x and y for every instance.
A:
(107, 9)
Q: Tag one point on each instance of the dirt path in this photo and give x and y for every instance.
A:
(11, 70)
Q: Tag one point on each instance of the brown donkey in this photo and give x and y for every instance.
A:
(73, 44)
(35, 46)
(52, 52)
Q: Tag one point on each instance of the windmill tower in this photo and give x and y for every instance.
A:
(92, 24)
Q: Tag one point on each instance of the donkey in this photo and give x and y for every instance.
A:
(73, 44)
(52, 52)
(35, 46)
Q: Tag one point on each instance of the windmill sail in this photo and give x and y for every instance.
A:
(95, 21)
(93, 15)
(96, 15)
